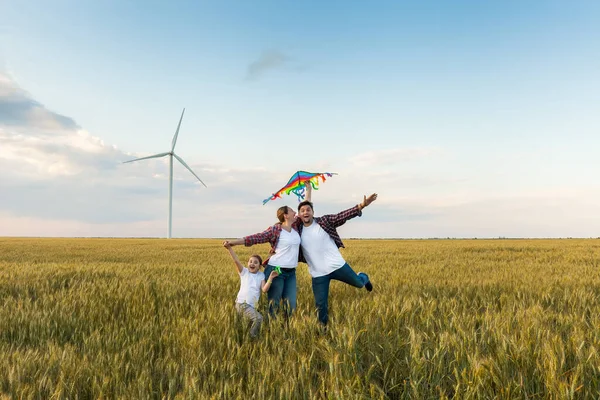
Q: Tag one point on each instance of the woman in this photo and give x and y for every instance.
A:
(285, 247)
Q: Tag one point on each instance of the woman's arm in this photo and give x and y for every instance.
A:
(258, 238)
(236, 260)
(234, 242)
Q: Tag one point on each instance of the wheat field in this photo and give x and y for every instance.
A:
(150, 318)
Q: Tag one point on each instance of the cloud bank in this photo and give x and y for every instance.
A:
(57, 179)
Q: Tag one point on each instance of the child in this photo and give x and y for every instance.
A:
(252, 282)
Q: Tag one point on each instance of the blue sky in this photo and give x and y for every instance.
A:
(468, 118)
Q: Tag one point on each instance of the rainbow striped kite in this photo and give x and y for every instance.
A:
(296, 184)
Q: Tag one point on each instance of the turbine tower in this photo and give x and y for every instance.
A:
(171, 154)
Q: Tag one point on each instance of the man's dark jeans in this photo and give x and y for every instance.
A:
(320, 286)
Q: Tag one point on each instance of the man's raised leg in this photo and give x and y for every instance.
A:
(347, 275)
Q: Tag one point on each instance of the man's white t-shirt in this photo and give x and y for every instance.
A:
(319, 249)
(286, 253)
(250, 287)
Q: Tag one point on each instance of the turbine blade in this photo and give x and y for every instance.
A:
(188, 167)
(174, 142)
(145, 158)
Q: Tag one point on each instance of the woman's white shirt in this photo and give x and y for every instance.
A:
(286, 252)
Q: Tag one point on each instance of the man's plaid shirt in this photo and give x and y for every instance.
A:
(328, 222)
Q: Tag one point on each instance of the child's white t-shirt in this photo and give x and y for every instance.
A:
(250, 287)
(286, 253)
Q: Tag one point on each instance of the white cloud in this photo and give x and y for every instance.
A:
(392, 156)
(40, 143)
(64, 153)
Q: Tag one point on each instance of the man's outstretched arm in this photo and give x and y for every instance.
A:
(340, 218)
(366, 201)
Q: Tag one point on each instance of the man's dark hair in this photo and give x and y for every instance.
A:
(306, 203)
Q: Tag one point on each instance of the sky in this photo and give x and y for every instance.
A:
(467, 118)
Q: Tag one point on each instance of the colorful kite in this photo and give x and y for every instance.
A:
(296, 184)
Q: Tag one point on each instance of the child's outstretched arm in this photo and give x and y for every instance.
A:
(236, 260)
(266, 285)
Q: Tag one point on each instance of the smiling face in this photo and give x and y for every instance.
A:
(306, 214)
(254, 264)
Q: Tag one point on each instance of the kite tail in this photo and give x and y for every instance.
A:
(273, 197)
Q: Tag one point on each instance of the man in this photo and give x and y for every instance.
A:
(320, 249)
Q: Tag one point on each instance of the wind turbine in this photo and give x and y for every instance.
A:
(171, 154)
